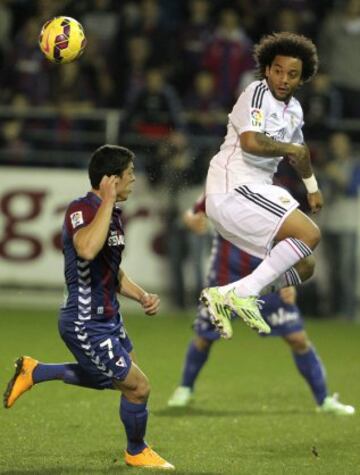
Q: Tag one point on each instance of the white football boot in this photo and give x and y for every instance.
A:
(332, 405)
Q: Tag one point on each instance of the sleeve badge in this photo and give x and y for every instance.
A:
(76, 219)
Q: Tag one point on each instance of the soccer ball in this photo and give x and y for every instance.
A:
(62, 39)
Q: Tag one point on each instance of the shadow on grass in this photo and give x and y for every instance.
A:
(85, 471)
(198, 412)
(72, 471)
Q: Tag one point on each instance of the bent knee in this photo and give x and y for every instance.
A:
(305, 268)
(202, 344)
(312, 237)
(142, 390)
(298, 342)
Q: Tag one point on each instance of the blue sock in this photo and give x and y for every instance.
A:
(134, 417)
(70, 373)
(194, 361)
(310, 366)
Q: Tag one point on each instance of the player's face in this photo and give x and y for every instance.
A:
(284, 77)
(125, 182)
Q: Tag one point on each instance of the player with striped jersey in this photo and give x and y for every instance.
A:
(246, 209)
(279, 310)
(91, 323)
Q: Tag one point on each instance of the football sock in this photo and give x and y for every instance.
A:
(134, 417)
(194, 361)
(281, 258)
(310, 366)
(290, 278)
(70, 373)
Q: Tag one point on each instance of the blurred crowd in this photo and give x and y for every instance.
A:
(173, 68)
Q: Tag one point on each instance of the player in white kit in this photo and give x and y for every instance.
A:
(258, 217)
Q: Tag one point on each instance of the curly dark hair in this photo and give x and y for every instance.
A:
(287, 44)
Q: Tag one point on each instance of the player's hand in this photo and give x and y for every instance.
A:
(316, 201)
(288, 295)
(299, 159)
(107, 188)
(150, 303)
(196, 222)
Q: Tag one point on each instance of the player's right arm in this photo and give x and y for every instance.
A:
(90, 239)
(248, 117)
(195, 218)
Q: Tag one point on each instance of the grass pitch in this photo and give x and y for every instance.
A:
(252, 413)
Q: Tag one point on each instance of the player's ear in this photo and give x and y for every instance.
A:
(267, 71)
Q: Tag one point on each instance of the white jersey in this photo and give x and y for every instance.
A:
(256, 110)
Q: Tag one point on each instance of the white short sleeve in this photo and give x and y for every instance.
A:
(249, 112)
(298, 136)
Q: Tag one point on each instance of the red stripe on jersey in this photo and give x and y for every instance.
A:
(224, 265)
(245, 265)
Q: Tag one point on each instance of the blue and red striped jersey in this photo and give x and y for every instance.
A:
(91, 285)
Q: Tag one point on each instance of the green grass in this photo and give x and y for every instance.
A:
(252, 414)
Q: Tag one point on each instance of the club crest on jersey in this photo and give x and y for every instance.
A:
(121, 362)
(257, 117)
(116, 239)
(76, 219)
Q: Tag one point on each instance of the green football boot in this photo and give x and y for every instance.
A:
(220, 314)
(181, 397)
(247, 308)
(332, 405)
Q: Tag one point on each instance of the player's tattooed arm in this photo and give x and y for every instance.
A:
(299, 158)
(260, 144)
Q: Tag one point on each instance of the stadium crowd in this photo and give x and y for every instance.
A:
(174, 68)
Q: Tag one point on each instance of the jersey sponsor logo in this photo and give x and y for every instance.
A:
(76, 219)
(116, 239)
(257, 117)
(121, 362)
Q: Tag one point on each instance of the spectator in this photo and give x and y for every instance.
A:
(194, 37)
(25, 70)
(155, 110)
(204, 112)
(131, 74)
(322, 106)
(101, 20)
(6, 23)
(339, 50)
(340, 226)
(228, 56)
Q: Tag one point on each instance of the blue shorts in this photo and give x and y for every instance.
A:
(101, 348)
(282, 318)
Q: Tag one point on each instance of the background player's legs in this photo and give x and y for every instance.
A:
(311, 368)
(296, 239)
(135, 390)
(196, 356)
(308, 363)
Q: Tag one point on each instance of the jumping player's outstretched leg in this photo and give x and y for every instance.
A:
(296, 239)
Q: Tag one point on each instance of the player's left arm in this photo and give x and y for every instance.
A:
(128, 288)
(306, 173)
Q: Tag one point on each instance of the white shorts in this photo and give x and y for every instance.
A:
(250, 216)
